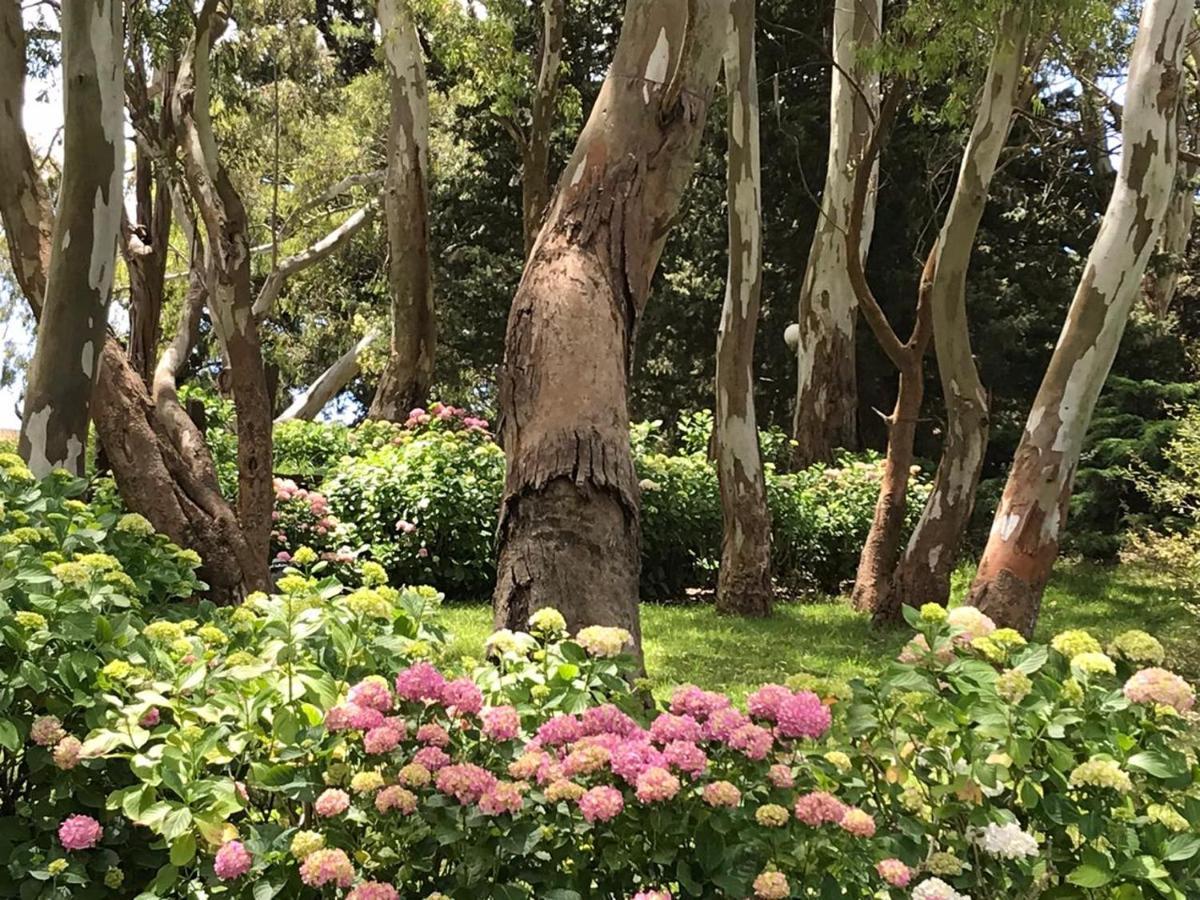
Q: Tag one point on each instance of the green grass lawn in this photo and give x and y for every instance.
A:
(693, 643)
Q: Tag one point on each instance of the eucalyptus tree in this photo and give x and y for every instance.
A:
(569, 531)
(826, 410)
(83, 246)
(1023, 543)
(744, 578)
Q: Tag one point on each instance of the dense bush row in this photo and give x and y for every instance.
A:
(316, 743)
(423, 498)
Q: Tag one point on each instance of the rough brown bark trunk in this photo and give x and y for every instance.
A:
(535, 147)
(408, 375)
(825, 416)
(569, 531)
(1023, 544)
(24, 200)
(923, 575)
(71, 328)
(744, 579)
(231, 300)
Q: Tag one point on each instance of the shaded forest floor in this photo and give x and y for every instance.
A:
(694, 644)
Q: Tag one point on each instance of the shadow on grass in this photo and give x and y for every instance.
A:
(691, 643)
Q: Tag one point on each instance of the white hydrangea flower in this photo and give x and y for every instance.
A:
(936, 889)
(1008, 841)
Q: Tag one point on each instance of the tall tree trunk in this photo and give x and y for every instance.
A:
(309, 402)
(1023, 544)
(231, 299)
(924, 571)
(535, 147)
(408, 375)
(744, 579)
(24, 200)
(569, 529)
(58, 391)
(826, 410)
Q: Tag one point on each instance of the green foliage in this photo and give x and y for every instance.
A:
(308, 450)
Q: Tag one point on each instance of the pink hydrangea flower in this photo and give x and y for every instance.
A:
(584, 760)
(771, 886)
(656, 785)
(372, 693)
(383, 739)
(327, 866)
(420, 681)
(351, 717)
(753, 741)
(781, 776)
(894, 872)
(818, 808)
(633, 758)
(232, 861)
(606, 718)
(46, 731)
(858, 823)
(395, 797)
(331, 802)
(79, 833)
(501, 723)
(526, 765)
(68, 752)
(686, 757)
(432, 758)
(433, 735)
(670, 727)
(503, 797)
(1162, 687)
(373, 890)
(803, 715)
(601, 804)
(463, 696)
(465, 782)
(652, 895)
(559, 729)
(764, 703)
(721, 793)
(722, 723)
(699, 704)
(150, 717)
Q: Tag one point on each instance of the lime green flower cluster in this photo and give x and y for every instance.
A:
(1073, 642)
(1013, 686)
(1102, 773)
(13, 467)
(163, 632)
(30, 621)
(72, 574)
(369, 603)
(304, 556)
(1138, 647)
(1093, 663)
(934, 613)
(547, 621)
(135, 524)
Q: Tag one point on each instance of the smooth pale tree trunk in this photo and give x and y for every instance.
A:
(535, 146)
(923, 575)
(744, 579)
(24, 200)
(309, 402)
(71, 328)
(569, 530)
(408, 374)
(230, 297)
(826, 410)
(1023, 543)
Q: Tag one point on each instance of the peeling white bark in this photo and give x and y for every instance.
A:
(1020, 553)
(309, 403)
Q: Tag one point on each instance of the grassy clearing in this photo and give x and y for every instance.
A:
(693, 643)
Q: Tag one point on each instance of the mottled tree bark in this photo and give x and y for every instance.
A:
(826, 410)
(1023, 543)
(71, 328)
(923, 575)
(24, 200)
(569, 529)
(408, 375)
(227, 278)
(309, 402)
(744, 579)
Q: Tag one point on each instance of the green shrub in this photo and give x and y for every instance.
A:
(308, 451)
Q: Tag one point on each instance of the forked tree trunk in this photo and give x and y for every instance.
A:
(535, 147)
(569, 529)
(1023, 543)
(408, 375)
(923, 575)
(71, 328)
(744, 579)
(24, 200)
(227, 277)
(825, 417)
